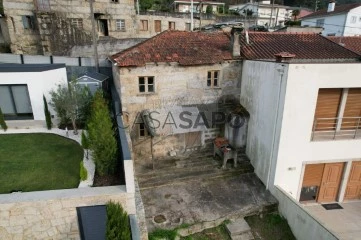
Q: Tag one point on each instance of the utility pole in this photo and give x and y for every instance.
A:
(94, 35)
(270, 19)
(192, 16)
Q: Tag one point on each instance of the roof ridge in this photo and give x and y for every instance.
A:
(283, 33)
(341, 45)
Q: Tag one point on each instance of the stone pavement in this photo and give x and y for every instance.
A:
(210, 201)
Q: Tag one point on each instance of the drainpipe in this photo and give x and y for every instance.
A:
(282, 57)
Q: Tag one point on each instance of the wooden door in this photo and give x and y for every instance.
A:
(353, 189)
(193, 139)
(328, 102)
(157, 26)
(330, 184)
(352, 109)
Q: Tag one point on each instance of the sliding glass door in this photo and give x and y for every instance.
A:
(15, 102)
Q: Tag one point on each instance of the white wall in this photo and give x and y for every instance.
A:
(295, 146)
(38, 83)
(353, 28)
(332, 25)
(259, 95)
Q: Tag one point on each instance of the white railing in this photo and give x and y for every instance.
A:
(336, 128)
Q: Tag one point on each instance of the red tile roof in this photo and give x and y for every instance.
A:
(351, 43)
(264, 45)
(338, 10)
(186, 48)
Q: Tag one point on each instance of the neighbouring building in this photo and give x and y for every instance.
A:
(198, 6)
(264, 13)
(173, 73)
(303, 94)
(22, 88)
(351, 43)
(342, 20)
(94, 81)
(55, 27)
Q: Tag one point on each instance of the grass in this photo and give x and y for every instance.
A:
(270, 227)
(217, 233)
(39, 161)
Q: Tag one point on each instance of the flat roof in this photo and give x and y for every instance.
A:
(12, 67)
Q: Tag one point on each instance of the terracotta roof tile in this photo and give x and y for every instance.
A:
(186, 48)
(338, 10)
(305, 46)
(351, 43)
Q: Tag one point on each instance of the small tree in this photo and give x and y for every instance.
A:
(85, 142)
(69, 101)
(47, 114)
(118, 227)
(101, 136)
(2, 121)
(295, 13)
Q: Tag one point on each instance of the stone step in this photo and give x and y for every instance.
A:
(239, 229)
(244, 236)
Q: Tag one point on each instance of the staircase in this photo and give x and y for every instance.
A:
(199, 165)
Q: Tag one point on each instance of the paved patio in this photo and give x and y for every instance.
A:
(343, 223)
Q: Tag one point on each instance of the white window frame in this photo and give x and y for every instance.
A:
(213, 79)
(148, 82)
(120, 25)
(77, 22)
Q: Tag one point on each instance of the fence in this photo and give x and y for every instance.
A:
(40, 59)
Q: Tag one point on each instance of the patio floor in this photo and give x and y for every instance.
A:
(343, 223)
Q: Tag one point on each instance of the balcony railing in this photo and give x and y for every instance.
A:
(336, 128)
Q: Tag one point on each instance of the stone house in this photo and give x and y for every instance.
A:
(54, 27)
(170, 74)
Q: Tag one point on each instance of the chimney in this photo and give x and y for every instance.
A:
(236, 48)
(331, 6)
(284, 57)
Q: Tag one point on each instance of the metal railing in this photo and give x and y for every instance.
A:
(336, 128)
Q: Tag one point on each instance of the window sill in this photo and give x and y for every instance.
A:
(146, 93)
(213, 88)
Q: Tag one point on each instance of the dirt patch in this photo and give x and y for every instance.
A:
(108, 180)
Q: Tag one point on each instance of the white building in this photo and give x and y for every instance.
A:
(304, 133)
(343, 20)
(22, 88)
(198, 6)
(264, 13)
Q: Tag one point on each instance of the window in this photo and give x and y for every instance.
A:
(320, 22)
(157, 26)
(146, 84)
(353, 19)
(77, 23)
(42, 5)
(171, 25)
(120, 25)
(28, 22)
(115, 1)
(188, 27)
(142, 130)
(213, 79)
(144, 25)
(15, 102)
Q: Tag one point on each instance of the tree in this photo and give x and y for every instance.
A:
(295, 13)
(47, 114)
(118, 227)
(145, 4)
(101, 136)
(2, 121)
(70, 101)
(85, 142)
(209, 9)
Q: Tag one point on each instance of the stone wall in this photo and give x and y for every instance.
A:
(52, 214)
(174, 86)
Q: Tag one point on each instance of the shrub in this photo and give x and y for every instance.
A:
(85, 142)
(49, 124)
(2, 121)
(83, 172)
(101, 136)
(163, 234)
(118, 227)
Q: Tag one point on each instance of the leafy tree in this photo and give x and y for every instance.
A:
(145, 4)
(2, 121)
(101, 136)
(118, 227)
(47, 114)
(85, 142)
(295, 13)
(70, 102)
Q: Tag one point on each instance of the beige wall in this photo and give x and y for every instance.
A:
(174, 85)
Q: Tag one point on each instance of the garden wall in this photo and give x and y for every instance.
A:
(52, 214)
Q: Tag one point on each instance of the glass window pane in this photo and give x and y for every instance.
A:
(150, 88)
(6, 103)
(150, 80)
(141, 88)
(141, 80)
(215, 82)
(21, 99)
(216, 74)
(209, 74)
(208, 82)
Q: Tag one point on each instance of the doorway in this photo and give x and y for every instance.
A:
(321, 182)
(103, 27)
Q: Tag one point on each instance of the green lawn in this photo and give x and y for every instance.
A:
(39, 161)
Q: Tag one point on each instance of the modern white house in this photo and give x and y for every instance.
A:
(304, 132)
(22, 87)
(198, 6)
(264, 13)
(342, 20)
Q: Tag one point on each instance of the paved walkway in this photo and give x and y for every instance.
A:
(344, 223)
(88, 162)
(206, 201)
